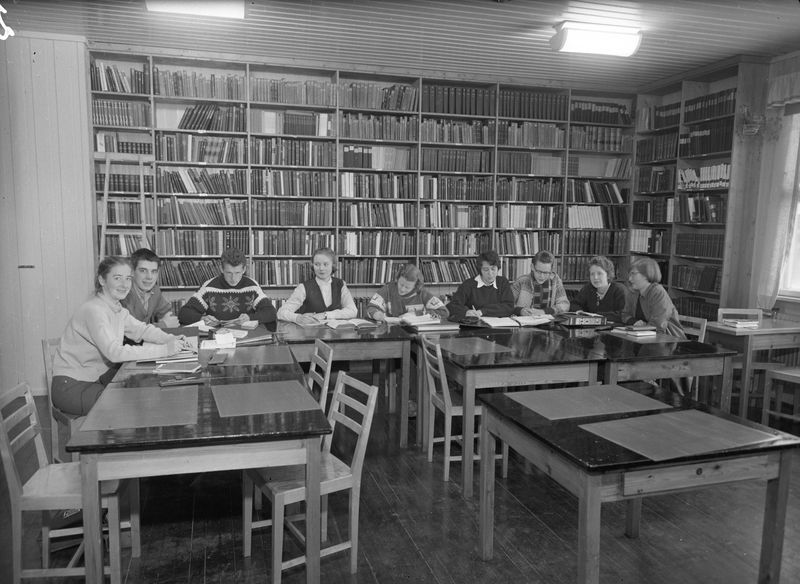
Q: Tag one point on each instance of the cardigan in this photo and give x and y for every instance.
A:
(496, 300)
(157, 306)
(523, 295)
(658, 309)
(224, 302)
(610, 306)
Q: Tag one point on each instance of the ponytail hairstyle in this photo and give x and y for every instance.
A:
(105, 266)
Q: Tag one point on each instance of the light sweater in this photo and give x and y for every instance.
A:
(92, 342)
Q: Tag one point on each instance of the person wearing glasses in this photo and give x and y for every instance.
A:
(487, 294)
(601, 295)
(650, 304)
(541, 291)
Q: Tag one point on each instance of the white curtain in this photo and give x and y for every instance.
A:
(778, 186)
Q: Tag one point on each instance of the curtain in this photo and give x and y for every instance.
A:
(779, 178)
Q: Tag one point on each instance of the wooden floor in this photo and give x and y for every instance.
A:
(416, 528)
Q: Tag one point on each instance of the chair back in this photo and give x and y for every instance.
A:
(740, 314)
(694, 327)
(319, 372)
(19, 426)
(345, 404)
(434, 370)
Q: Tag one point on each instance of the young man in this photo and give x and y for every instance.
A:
(230, 298)
(541, 291)
(145, 301)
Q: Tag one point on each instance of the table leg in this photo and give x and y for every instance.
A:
(313, 533)
(589, 530)
(422, 400)
(92, 530)
(775, 522)
(486, 515)
(405, 377)
(727, 385)
(468, 423)
(610, 374)
(633, 517)
(391, 385)
(747, 370)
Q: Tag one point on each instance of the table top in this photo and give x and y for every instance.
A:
(294, 334)
(596, 454)
(139, 394)
(767, 327)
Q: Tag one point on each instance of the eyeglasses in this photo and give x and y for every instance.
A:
(544, 274)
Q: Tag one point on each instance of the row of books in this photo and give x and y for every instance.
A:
(179, 211)
(472, 101)
(377, 157)
(530, 216)
(283, 213)
(530, 135)
(663, 147)
(438, 159)
(712, 176)
(591, 191)
(124, 179)
(206, 116)
(700, 209)
(454, 216)
(720, 103)
(596, 217)
(657, 117)
(707, 138)
(660, 210)
(192, 242)
(544, 190)
(124, 244)
(601, 166)
(696, 307)
(654, 179)
(378, 127)
(596, 242)
(124, 142)
(527, 243)
(445, 271)
(289, 152)
(650, 240)
(110, 78)
(297, 123)
(457, 131)
(382, 243)
(397, 97)
(188, 273)
(600, 112)
(453, 243)
(378, 185)
(201, 180)
(299, 242)
(703, 279)
(192, 148)
(700, 245)
(473, 188)
(295, 183)
(114, 112)
(308, 92)
(576, 268)
(600, 138)
(515, 103)
(127, 212)
(370, 270)
(529, 163)
(379, 215)
(193, 84)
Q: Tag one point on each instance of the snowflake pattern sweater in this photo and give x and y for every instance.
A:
(224, 302)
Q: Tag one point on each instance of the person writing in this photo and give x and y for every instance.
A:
(145, 301)
(650, 304)
(541, 291)
(230, 298)
(320, 298)
(601, 295)
(405, 295)
(91, 348)
(487, 294)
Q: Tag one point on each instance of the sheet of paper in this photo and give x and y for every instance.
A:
(578, 402)
(143, 407)
(273, 397)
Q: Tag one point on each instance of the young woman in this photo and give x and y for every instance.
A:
(487, 294)
(322, 297)
(601, 295)
(91, 347)
(406, 294)
(650, 303)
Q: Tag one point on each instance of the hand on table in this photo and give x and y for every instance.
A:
(532, 312)
(475, 313)
(169, 320)
(210, 320)
(307, 319)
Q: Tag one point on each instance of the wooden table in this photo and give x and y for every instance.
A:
(597, 470)
(382, 343)
(771, 334)
(212, 443)
(536, 357)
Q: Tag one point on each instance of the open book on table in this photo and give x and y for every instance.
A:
(428, 323)
(641, 330)
(351, 323)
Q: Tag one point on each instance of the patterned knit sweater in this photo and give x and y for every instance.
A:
(224, 302)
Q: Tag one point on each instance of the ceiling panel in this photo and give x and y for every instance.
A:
(474, 39)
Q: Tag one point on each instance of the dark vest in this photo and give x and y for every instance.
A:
(314, 302)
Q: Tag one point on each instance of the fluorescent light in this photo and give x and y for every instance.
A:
(220, 8)
(581, 37)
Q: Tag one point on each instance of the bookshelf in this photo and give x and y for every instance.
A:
(208, 153)
(691, 183)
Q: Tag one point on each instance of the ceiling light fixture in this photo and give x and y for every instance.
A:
(219, 8)
(599, 39)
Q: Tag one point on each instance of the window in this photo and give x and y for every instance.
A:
(790, 275)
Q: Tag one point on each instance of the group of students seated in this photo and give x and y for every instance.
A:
(128, 304)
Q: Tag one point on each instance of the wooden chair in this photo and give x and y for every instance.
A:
(286, 485)
(788, 378)
(450, 403)
(57, 417)
(693, 327)
(319, 372)
(49, 487)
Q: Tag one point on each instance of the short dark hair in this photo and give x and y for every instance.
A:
(144, 255)
(544, 257)
(233, 257)
(490, 257)
(605, 264)
(105, 266)
(648, 268)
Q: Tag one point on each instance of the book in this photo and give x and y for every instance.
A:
(642, 330)
(499, 321)
(178, 367)
(739, 323)
(533, 320)
(427, 323)
(353, 323)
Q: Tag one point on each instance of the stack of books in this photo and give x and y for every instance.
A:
(427, 323)
(739, 323)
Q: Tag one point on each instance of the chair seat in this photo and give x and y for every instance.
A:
(290, 481)
(457, 401)
(58, 486)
